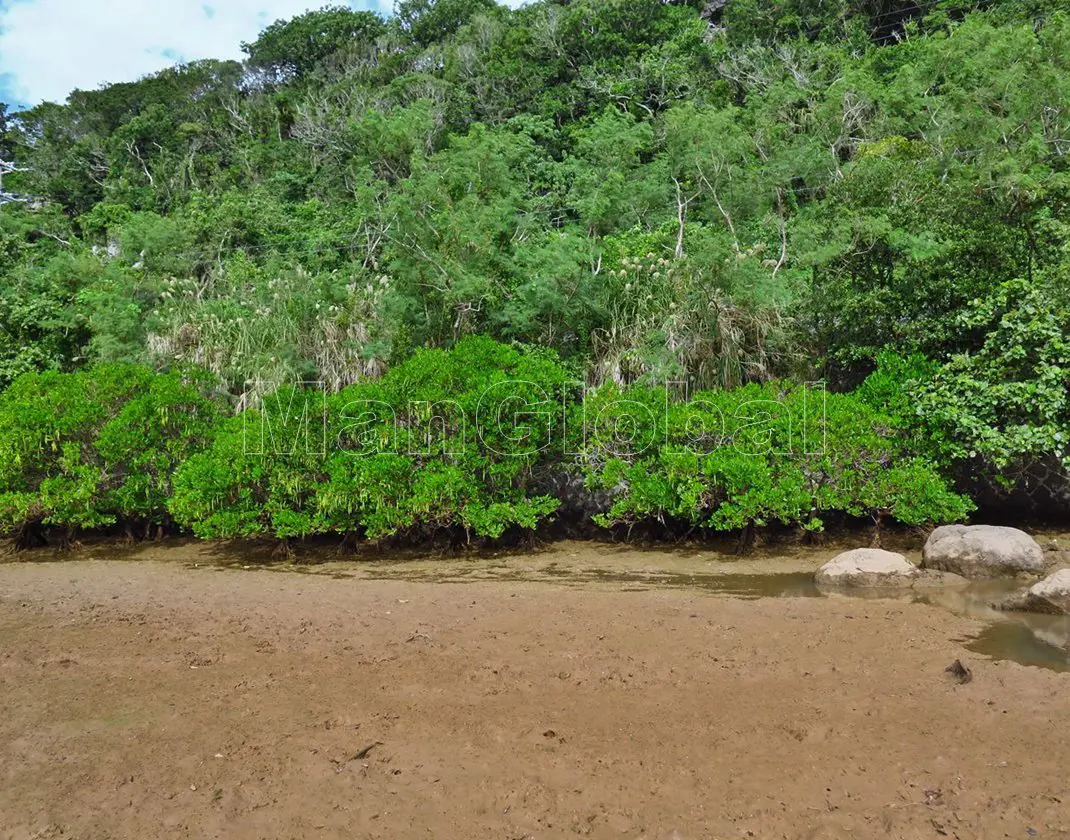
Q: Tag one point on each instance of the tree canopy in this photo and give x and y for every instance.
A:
(291, 48)
(717, 192)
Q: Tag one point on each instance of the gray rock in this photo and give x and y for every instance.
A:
(932, 578)
(1051, 595)
(863, 567)
(979, 551)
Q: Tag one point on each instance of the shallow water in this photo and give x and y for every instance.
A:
(738, 585)
(1025, 641)
(778, 570)
(1029, 639)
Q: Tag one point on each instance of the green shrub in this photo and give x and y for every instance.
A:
(1003, 410)
(416, 452)
(756, 456)
(996, 418)
(892, 387)
(89, 449)
(465, 441)
(259, 474)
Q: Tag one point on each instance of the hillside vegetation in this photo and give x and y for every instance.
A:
(598, 197)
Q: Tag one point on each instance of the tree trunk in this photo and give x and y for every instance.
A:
(747, 538)
(68, 540)
(29, 536)
(350, 543)
(878, 522)
(284, 550)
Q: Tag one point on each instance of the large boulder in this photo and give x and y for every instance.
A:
(979, 551)
(867, 567)
(1051, 595)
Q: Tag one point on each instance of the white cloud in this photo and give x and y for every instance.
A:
(50, 47)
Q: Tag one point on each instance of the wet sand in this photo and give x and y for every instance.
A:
(584, 690)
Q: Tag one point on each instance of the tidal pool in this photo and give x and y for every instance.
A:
(774, 571)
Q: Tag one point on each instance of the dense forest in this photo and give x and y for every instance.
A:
(573, 202)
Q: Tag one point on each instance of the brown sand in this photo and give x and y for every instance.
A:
(149, 699)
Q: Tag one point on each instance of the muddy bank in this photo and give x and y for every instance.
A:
(774, 568)
(171, 699)
(781, 567)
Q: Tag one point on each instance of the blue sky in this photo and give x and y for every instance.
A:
(50, 47)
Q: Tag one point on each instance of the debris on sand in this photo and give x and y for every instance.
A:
(364, 752)
(959, 672)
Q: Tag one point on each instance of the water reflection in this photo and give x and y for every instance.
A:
(1037, 640)
(779, 572)
(748, 586)
(1026, 640)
